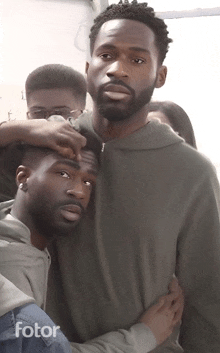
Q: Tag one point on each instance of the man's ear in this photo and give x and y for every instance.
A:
(161, 76)
(87, 67)
(22, 174)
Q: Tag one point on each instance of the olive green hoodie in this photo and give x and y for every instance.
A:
(156, 213)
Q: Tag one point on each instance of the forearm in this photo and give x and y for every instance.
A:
(138, 339)
(14, 131)
(59, 136)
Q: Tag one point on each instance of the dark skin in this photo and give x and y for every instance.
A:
(58, 136)
(124, 50)
(55, 99)
(57, 194)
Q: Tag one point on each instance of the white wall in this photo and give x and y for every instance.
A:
(193, 79)
(38, 32)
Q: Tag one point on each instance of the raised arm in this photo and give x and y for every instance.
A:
(59, 136)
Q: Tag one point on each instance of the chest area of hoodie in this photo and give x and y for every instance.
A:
(142, 196)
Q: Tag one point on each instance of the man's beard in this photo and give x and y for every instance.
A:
(44, 218)
(113, 112)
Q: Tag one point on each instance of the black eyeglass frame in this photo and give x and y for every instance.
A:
(47, 113)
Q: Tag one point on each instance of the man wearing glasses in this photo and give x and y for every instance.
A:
(55, 89)
(51, 90)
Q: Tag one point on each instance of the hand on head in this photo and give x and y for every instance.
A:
(59, 136)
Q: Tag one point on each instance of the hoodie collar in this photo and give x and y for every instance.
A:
(151, 136)
(14, 230)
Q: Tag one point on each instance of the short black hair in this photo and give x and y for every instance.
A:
(178, 118)
(56, 76)
(19, 153)
(93, 142)
(137, 12)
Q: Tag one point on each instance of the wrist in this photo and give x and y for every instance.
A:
(144, 337)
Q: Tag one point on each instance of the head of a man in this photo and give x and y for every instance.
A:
(172, 114)
(128, 46)
(55, 89)
(53, 191)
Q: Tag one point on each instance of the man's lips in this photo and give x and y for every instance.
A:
(113, 87)
(71, 212)
(116, 91)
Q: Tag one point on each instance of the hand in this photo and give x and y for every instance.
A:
(59, 136)
(162, 317)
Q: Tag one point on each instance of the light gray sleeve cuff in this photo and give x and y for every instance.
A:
(138, 339)
(144, 339)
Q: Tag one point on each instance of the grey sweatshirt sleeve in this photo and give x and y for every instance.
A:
(139, 339)
(199, 270)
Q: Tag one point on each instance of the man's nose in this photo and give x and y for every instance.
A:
(117, 69)
(77, 189)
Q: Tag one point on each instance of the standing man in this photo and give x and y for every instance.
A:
(157, 199)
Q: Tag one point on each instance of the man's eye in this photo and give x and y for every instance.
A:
(88, 183)
(38, 114)
(105, 56)
(64, 174)
(138, 61)
(61, 112)
(57, 112)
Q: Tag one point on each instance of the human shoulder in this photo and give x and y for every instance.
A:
(195, 160)
(14, 231)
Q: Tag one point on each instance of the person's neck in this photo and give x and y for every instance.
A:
(109, 130)
(37, 240)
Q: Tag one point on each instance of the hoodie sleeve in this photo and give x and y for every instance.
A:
(199, 269)
(139, 339)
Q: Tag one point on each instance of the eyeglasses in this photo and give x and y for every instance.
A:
(45, 114)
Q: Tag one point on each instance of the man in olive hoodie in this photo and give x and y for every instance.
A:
(157, 199)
